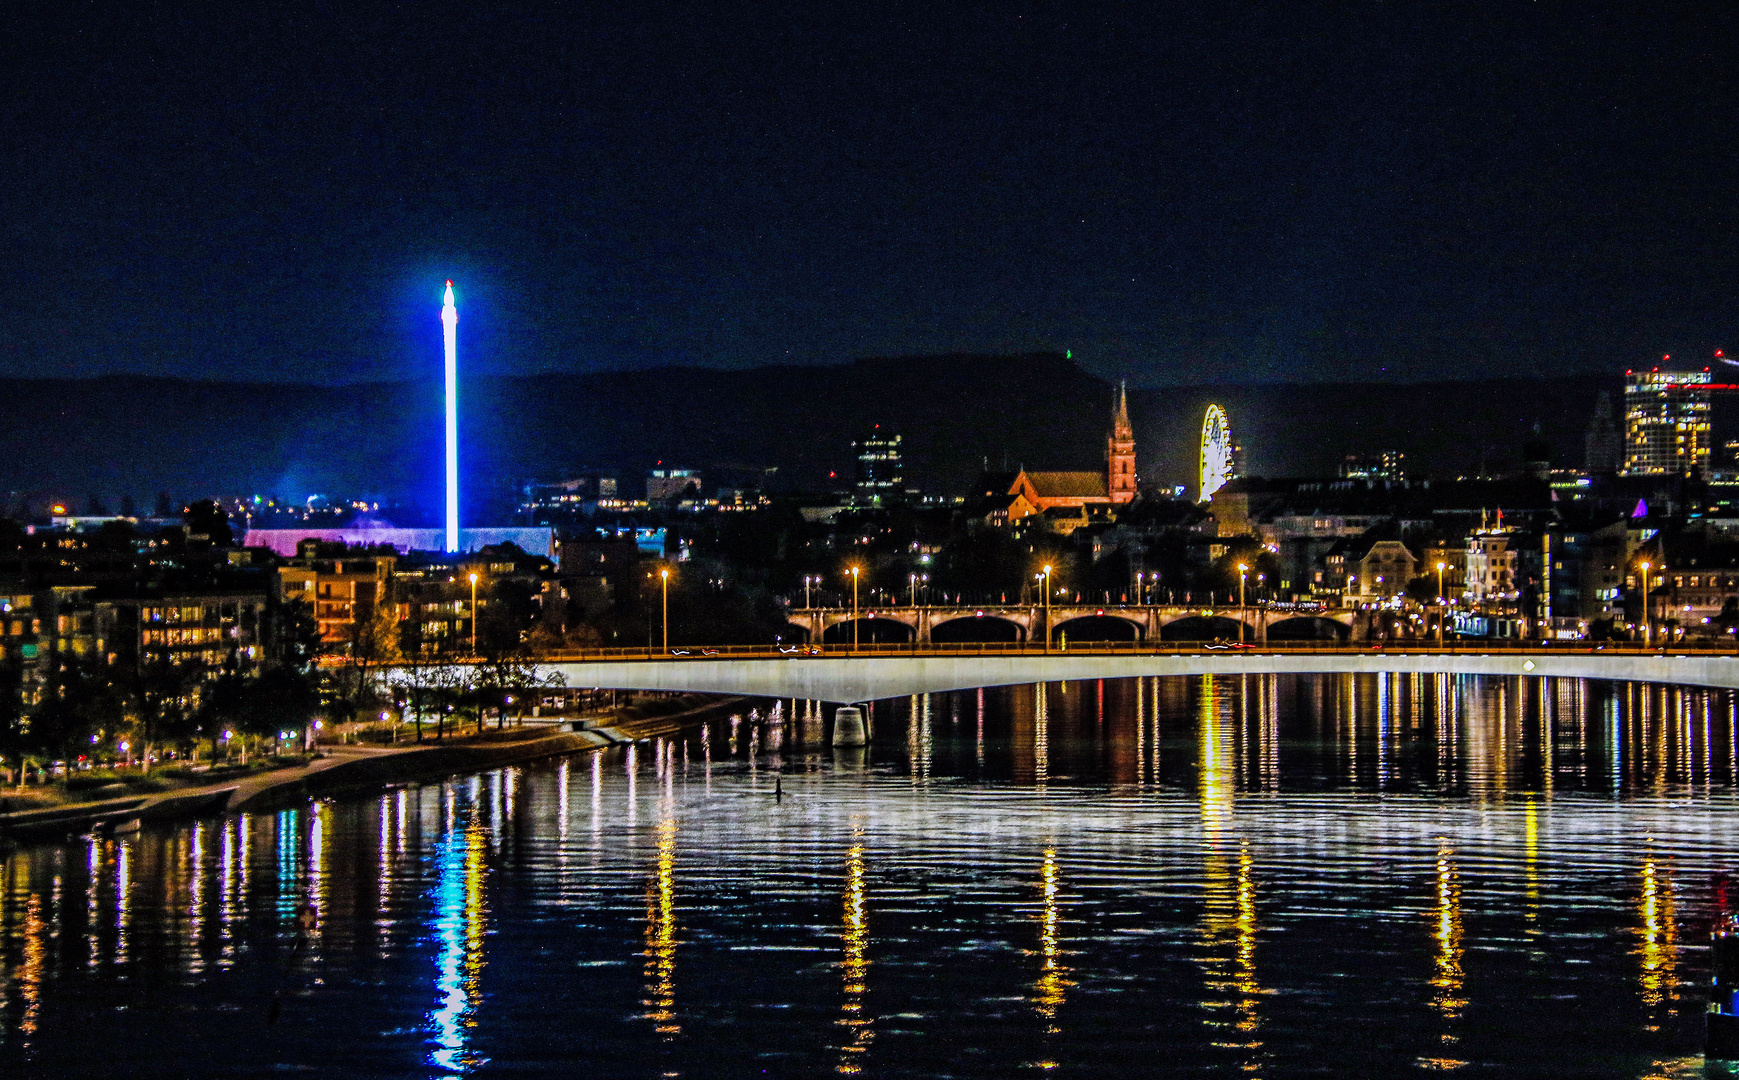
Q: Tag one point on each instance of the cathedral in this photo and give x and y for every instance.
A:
(1038, 492)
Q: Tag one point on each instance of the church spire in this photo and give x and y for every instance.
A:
(1120, 479)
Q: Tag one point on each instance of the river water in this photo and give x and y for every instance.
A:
(1264, 876)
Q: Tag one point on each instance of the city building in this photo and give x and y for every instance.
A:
(1382, 465)
(1603, 443)
(207, 627)
(672, 485)
(540, 501)
(1076, 493)
(1491, 566)
(880, 477)
(537, 540)
(1666, 420)
(343, 584)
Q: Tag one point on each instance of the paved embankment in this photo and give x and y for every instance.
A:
(344, 768)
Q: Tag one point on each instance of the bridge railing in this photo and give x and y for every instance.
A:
(682, 653)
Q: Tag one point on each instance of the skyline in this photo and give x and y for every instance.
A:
(1187, 197)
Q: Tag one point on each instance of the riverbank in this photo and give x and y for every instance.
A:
(349, 770)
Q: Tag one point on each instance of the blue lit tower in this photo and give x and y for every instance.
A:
(449, 331)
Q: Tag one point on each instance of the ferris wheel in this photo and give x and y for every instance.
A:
(1217, 461)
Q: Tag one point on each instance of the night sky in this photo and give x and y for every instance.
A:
(1219, 193)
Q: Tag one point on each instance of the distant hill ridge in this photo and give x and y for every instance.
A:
(136, 434)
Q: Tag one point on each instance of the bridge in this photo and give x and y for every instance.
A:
(927, 624)
(866, 674)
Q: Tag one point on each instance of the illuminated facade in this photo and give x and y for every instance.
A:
(1115, 487)
(880, 472)
(1666, 422)
(1120, 454)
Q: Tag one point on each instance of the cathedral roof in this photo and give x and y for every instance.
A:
(1068, 485)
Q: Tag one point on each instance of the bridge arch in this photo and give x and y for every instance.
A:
(1097, 627)
(977, 628)
(1308, 628)
(871, 630)
(1205, 628)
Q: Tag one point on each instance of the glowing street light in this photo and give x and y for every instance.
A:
(664, 588)
(854, 572)
(1647, 625)
(473, 577)
(1440, 601)
(449, 335)
(1243, 572)
(1046, 575)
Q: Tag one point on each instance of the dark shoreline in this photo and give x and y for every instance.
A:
(355, 776)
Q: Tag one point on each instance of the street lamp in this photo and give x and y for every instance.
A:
(664, 588)
(1441, 612)
(1047, 576)
(473, 578)
(1243, 572)
(1645, 613)
(807, 580)
(854, 573)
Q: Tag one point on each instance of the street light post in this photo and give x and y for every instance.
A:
(473, 577)
(854, 572)
(1243, 572)
(664, 614)
(1441, 604)
(1646, 625)
(806, 580)
(1047, 576)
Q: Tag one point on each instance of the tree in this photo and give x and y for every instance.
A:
(209, 522)
(279, 699)
(223, 705)
(78, 702)
(14, 722)
(156, 692)
(1422, 590)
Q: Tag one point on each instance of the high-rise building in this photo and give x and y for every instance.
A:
(664, 485)
(1120, 477)
(880, 474)
(1666, 422)
(1603, 445)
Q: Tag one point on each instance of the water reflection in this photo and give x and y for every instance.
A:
(660, 972)
(1657, 950)
(458, 931)
(1053, 978)
(854, 968)
(1447, 979)
(1267, 875)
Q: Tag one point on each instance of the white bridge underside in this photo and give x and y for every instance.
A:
(866, 678)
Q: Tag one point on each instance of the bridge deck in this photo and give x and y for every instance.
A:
(846, 675)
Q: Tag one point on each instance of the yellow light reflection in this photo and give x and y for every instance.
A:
(1053, 981)
(30, 971)
(1447, 980)
(660, 1000)
(1658, 950)
(854, 969)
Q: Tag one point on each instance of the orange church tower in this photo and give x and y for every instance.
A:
(1120, 453)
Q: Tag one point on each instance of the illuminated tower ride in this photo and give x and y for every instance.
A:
(449, 331)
